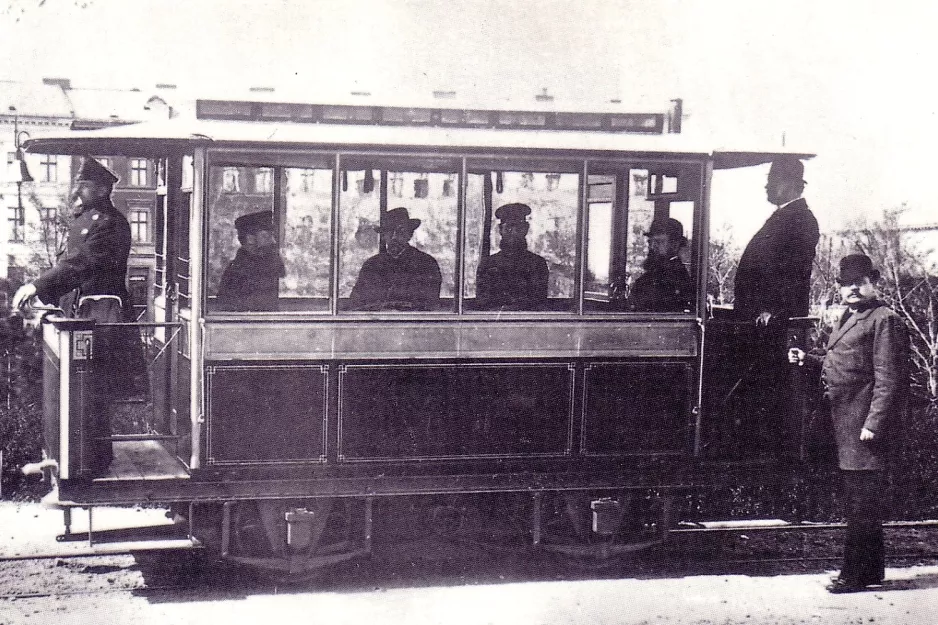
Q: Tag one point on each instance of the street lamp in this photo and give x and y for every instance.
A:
(20, 172)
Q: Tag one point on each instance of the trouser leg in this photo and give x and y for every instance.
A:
(864, 547)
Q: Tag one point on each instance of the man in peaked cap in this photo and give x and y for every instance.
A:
(514, 278)
(665, 286)
(865, 372)
(88, 282)
(251, 282)
(399, 277)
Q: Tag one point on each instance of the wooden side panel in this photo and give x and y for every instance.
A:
(455, 411)
(269, 414)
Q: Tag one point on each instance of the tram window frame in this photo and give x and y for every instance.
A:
(629, 243)
(297, 292)
(529, 172)
(415, 182)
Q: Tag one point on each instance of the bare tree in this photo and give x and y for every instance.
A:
(910, 287)
(49, 232)
(722, 263)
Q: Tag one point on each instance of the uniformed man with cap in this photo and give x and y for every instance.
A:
(400, 277)
(251, 282)
(88, 282)
(514, 278)
(665, 286)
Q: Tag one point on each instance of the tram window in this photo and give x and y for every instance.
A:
(278, 259)
(630, 266)
(497, 278)
(387, 260)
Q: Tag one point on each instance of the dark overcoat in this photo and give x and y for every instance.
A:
(865, 369)
(94, 261)
(411, 281)
(664, 287)
(774, 272)
(512, 281)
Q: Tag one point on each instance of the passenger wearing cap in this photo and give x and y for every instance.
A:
(773, 279)
(514, 278)
(399, 277)
(865, 372)
(665, 286)
(88, 282)
(251, 282)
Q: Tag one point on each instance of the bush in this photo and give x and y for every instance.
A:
(20, 402)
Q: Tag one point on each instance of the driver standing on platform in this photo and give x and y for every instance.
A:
(401, 277)
(88, 282)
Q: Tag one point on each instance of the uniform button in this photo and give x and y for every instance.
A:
(95, 217)
(84, 230)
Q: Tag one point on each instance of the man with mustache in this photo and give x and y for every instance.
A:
(251, 282)
(665, 286)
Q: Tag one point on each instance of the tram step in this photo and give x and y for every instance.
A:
(76, 550)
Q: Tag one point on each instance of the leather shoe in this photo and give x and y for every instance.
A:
(839, 586)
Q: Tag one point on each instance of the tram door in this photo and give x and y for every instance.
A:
(171, 302)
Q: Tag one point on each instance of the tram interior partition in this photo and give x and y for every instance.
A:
(316, 400)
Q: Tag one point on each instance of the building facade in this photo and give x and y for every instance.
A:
(36, 214)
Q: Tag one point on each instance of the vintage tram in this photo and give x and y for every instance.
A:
(288, 437)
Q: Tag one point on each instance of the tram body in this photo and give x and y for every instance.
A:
(271, 429)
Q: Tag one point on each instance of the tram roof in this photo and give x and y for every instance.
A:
(161, 137)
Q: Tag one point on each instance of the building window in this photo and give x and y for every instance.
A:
(49, 168)
(231, 180)
(17, 224)
(47, 214)
(138, 172)
(140, 225)
(263, 180)
(104, 160)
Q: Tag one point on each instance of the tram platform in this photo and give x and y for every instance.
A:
(143, 460)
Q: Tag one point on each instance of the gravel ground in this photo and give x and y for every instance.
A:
(694, 579)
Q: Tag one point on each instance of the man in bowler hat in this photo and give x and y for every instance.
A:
(772, 285)
(665, 286)
(865, 372)
(251, 282)
(773, 278)
(514, 278)
(399, 277)
(88, 282)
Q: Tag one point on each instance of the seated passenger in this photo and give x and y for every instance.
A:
(514, 278)
(401, 277)
(252, 281)
(665, 286)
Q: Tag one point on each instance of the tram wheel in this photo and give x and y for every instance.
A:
(643, 525)
(322, 534)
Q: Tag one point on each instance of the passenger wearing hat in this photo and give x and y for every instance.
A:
(399, 277)
(865, 372)
(251, 282)
(772, 285)
(665, 286)
(773, 278)
(514, 278)
(88, 282)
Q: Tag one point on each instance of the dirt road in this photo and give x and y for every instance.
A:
(438, 582)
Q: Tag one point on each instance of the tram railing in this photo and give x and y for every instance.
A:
(756, 405)
(124, 368)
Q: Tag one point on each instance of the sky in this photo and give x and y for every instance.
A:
(847, 80)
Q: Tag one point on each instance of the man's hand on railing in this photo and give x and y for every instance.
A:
(23, 295)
